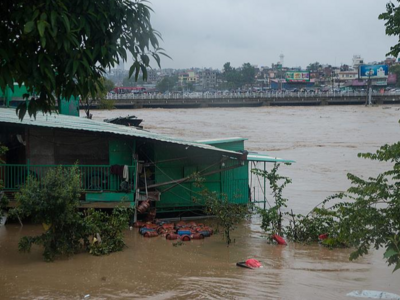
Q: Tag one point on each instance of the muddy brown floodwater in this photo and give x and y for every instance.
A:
(324, 142)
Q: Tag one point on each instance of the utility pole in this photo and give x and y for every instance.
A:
(369, 90)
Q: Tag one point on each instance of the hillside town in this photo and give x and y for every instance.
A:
(316, 76)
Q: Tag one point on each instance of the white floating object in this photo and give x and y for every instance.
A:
(3, 219)
(373, 295)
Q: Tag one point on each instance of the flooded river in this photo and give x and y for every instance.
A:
(324, 142)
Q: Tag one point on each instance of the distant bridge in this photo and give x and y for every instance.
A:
(249, 101)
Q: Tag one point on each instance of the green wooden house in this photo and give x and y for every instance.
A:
(120, 163)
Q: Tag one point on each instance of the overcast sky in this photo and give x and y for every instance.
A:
(209, 33)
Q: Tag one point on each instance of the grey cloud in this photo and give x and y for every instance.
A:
(209, 33)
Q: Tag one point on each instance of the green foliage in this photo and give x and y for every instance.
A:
(314, 66)
(371, 215)
(99, 96)
(106, 104)
(392, 18)
(190, 87)
(366, 216)
(272, 217)
(54, 202)
(306, 229)
(57, 53)
(168, 83)
(228, 214)
(248, 73)
(108, 85)
(106, 230)
(237, 78)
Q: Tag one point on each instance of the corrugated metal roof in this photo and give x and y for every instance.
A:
(266, 158)
(222, 140)
(8, 115)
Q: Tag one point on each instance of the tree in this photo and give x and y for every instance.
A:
(227, 68)
(108, 85)
(395, 69)
(231, 76)
(168, 83)
(371, 216)
(99, 96)
(228, 214)
(248, 73)
(392, 18)
(314, 66)
(53, 202)
(59, 49)
(190, 86)
(272, 217)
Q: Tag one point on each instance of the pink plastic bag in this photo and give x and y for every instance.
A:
(253, 263)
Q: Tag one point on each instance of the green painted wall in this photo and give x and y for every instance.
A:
(70, 108)
(120, 153)
(8, 95)
(235, 182)
(175, 162)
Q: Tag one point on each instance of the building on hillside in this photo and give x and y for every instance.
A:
(188, 77)
(357, 61)
(207, 79)
(152, 76)
(344, 76)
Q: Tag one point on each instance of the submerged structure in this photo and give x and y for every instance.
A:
(120, 163)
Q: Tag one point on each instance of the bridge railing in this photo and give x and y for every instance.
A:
(246, 95)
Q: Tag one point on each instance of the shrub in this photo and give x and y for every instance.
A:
(54, 202)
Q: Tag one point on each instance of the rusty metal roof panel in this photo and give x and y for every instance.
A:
(8, 115)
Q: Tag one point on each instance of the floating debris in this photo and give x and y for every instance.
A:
(373, 295)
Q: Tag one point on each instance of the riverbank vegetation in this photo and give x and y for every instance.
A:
(53, 202)
(228, 214)
(365, 216)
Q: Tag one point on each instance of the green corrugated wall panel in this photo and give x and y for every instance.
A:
(235, 183)
(120, 153)
(193, 161)
(69, 108)
(19, 91)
